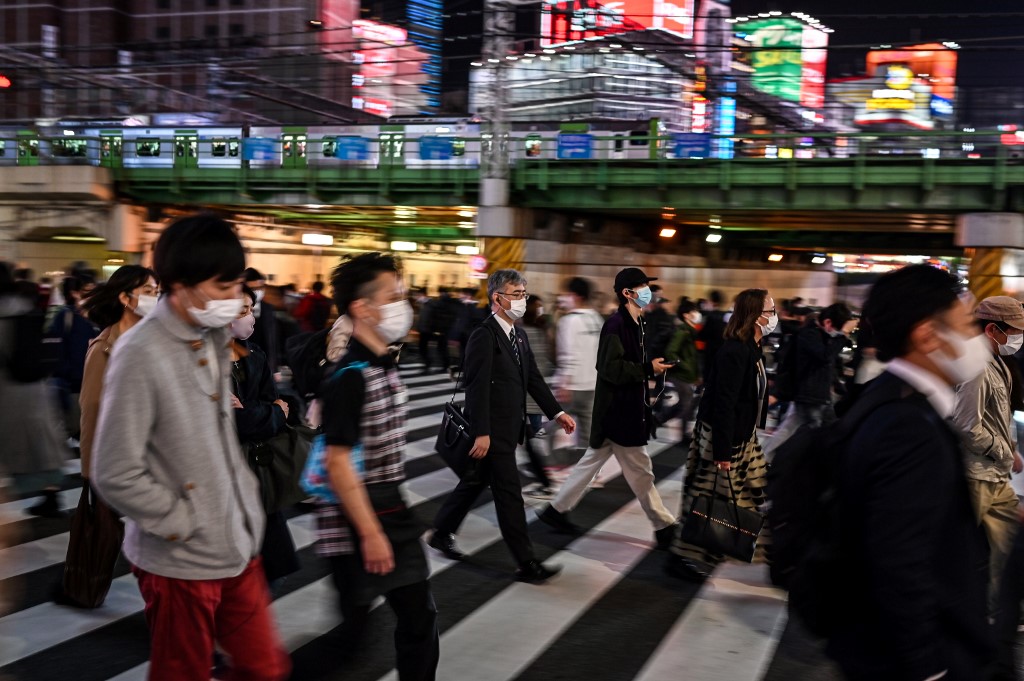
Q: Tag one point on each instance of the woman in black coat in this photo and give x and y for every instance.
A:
(725, 437)
(260, 414)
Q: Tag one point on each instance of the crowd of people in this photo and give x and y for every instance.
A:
(168, 379)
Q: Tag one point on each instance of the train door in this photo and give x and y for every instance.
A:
(293, 147)
(111, 143)
(28, 148)
(186, 149)
(391, 143)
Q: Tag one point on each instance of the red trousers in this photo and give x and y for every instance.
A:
(185, 617)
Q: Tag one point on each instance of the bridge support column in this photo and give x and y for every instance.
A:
(996, 243)
(503, 231)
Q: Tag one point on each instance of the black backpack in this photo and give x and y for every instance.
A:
(307, 357)
(803, 514)
(35, 353)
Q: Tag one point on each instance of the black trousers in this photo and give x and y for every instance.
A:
(498, 472)
(1011, 593)
(417, 647)
(442, 349)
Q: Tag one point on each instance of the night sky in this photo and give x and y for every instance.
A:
(975, 24)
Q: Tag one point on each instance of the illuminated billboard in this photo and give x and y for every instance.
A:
(932, 64)
(788, 58)
(569, 20)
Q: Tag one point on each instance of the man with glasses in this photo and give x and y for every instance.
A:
(623, 419)
(499, 372)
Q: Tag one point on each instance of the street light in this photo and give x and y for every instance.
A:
(667, 233)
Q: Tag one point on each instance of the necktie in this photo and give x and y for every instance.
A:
(515, 346)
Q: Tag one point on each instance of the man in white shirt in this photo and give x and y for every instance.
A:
(576, 341)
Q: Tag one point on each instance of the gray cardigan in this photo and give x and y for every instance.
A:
(167, 456)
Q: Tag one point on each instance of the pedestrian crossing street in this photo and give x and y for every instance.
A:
(612, 614)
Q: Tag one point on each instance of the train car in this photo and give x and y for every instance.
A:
(142, 147)
(605, 139)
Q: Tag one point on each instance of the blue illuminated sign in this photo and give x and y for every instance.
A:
(575, 145)
(691, 145)
(433, 148)
(941, 107)
(726, 125)
(260, 149)
(352, 148)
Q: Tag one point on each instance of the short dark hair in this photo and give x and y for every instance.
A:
(686, 306)
(580, 287)
(716, 297)
(246, 291)
(318, 286)
(6, 279)
(71, 285)
(252, 274)
(747, 308)
(23, 273)
(353, 277)
(901, 300)
(103, 306)
(839, 313)
(196, 248)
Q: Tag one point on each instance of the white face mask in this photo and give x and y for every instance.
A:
(517, 310)
(540, 311)
(1012, 345)
(395, 321)
(696, 318)
(218, 313)
(766, 329)
(243, 328)
(145, 305)
(972, 357)
(259, 295)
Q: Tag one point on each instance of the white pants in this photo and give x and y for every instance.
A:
(639, 474)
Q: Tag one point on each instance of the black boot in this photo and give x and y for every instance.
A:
(49, 507)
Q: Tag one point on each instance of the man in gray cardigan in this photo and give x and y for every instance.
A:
(168, 458)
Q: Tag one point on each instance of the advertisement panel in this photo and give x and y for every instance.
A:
(575, 145)
(569, 20)
(812, 74)
(933, 61)
(776, 56)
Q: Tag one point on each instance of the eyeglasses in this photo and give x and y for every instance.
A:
(768, 313)
(518, 295)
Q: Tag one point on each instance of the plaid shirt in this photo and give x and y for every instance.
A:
(382, 436)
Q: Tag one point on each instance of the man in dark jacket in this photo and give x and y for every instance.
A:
(712, 334)
(76, 332)
(500, 371)
(623, 420)
(266, 335)
(914, 558)
(817, 345)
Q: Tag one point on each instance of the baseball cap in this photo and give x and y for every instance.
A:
(632, 277)
(1001, 309)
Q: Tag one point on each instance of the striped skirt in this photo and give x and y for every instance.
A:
(749, 479)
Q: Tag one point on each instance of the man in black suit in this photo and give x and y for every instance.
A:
(713, 332)
(265, 333)
(914, 557)
(499, 372)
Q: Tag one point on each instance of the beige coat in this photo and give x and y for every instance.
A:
(92, 389)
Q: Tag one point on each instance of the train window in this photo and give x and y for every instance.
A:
(618, 143)
(301, 145)
(329, 148)
(233, 147)
(219, 147)
(69, 148)
(28, 148)
(3, 147)
(533, 147)
(193, 147)
(179, 148)
(638, 138)
(287, 146)
(459, 147)
(147, 146)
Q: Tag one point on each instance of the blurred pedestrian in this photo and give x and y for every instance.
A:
(76, 333)
(266, 335)
(712, 334)
(372, 537)
(33, 435)
(260, 414)
(534, 325)
(314, 311)
(911, 552)
(167, 456)
(623, 416)
(733, 406)
(576, 343)
(685, 375)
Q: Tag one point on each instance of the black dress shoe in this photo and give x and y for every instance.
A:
(559, 521)
(663, 537)
(536, 572)
(681, 568)
(445, 543)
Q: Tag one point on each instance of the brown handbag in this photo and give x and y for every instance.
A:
(96, 537)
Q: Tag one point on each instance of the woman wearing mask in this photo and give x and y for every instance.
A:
(260, 414)
(685, 375)
(725, 438)
(115, 307)
(535, 325)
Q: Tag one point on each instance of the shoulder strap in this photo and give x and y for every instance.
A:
(355, 365)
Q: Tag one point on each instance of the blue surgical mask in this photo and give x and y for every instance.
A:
(644, 296)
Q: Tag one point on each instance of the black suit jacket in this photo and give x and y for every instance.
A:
(915, 557)
(730, 403)
(497, 385)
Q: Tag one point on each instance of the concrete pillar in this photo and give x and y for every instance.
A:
(996, 241)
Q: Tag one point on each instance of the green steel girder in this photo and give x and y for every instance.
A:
(864, 183)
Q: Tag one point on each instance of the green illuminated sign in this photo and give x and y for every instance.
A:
(777, 56)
